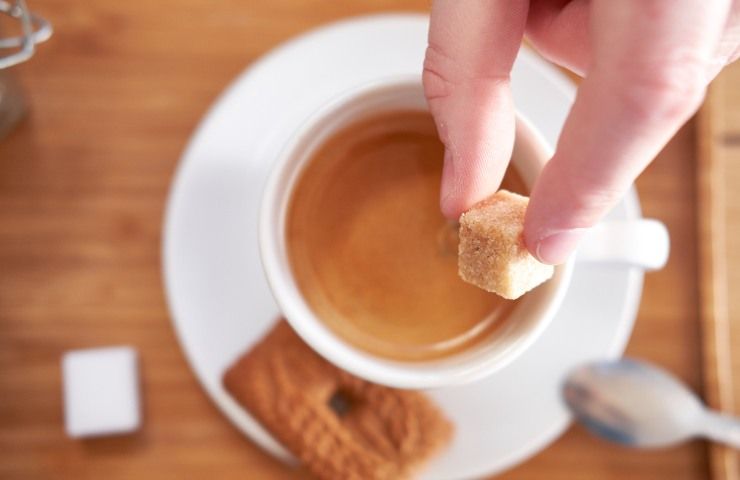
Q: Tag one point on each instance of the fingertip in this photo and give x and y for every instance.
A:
(549, 235)
(530, 241)
(557, 247)
(451, 208)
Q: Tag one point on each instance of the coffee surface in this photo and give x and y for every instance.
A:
(371, 252)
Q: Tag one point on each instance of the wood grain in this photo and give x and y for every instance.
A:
(719, 240)
(115, 96)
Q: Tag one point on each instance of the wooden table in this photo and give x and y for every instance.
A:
(114, 96)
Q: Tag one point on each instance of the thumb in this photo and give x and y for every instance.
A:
(472, 46)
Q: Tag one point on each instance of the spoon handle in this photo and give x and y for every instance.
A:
(722, 428)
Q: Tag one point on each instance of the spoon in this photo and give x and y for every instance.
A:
(640, 405)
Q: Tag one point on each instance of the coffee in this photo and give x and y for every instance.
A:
(370, 251)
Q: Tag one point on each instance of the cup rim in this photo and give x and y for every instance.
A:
(412, 374)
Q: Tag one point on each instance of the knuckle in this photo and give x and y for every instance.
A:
(443, 74)
(436, 74)
(666, 92)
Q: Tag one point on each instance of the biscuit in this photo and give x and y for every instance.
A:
(492, 254)
(338, 425)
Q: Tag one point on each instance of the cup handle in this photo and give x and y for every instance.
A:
(640, 243)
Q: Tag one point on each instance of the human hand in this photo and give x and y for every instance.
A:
(646, 65)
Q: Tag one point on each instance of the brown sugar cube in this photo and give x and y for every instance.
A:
(491, 254)
(338, 425)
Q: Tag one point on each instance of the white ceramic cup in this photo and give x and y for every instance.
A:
(642, 243)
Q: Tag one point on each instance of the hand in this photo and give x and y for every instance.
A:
(646, 65)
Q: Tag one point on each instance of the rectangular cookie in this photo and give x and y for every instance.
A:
(338, 425)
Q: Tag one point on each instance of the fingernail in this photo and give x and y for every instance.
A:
(555, 248)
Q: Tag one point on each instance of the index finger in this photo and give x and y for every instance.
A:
(647, 77)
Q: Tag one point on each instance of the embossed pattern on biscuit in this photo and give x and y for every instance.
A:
(339, 426)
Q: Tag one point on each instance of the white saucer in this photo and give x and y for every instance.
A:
(219, 299)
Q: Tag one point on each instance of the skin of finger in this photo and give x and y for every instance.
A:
(647, 78)
(728, 49)
(472, 47)
(559, 30)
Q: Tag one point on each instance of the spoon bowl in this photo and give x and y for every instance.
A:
(640, 405)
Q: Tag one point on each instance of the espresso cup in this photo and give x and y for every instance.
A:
(641, 243)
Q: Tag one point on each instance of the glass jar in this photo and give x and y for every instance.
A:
(12, 103)
(14, 50)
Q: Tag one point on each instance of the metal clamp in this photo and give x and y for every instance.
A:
(34, 29)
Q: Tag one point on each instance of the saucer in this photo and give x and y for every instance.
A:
(218, 297)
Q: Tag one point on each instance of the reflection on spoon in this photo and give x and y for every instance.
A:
(637, 404)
